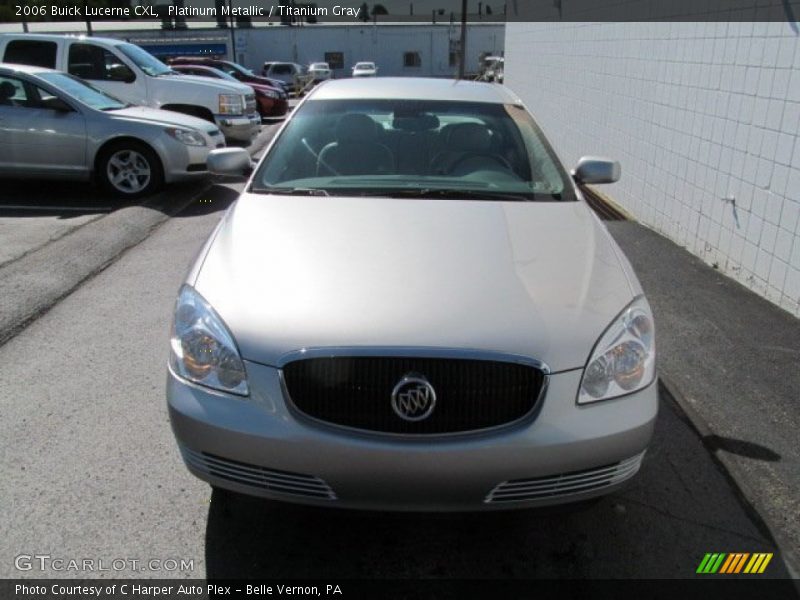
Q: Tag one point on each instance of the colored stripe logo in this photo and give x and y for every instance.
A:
(734, 563)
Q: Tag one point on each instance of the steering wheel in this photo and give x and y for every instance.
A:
(470, 155)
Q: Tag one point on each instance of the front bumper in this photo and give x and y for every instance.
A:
(259, 446)
(271, 107)
(239, 129)
(182, 162)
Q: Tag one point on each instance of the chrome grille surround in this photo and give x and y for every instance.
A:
(565, 484)
(535, 399)
(279, 482)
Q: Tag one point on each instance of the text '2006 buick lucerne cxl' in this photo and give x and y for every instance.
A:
(411, 307)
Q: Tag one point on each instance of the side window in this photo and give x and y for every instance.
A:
(335, 59)
(13, 92)
(88, 61)
(411, 59)
(31, 52)
(19, 94)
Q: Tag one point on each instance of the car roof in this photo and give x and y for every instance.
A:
(414, 88)
(29, 69)
(51, 37)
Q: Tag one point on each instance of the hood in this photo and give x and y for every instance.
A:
(265, 81)
(163, 117)
(264, 88)
(219, 86)
(541, 280)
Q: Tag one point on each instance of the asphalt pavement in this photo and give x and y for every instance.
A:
(731, 359)
(57, 234)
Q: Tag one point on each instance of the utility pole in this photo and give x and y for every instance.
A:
(233, 31)
(463, 50)
(24, 18)
(88, 20)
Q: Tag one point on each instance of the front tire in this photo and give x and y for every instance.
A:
(130, 169)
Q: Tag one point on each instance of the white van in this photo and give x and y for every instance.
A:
(136, 76)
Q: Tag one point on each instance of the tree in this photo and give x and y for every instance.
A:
(379, 9)
(364, 12)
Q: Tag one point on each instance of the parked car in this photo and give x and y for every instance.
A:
(54, 125)
(270, 102)
(365, 69)
(236, 71)
(412, 307)
(135, 76)
(319, 71)
(289, 73)
(493, 68)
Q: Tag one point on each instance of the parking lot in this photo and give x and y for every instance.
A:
(92, 470)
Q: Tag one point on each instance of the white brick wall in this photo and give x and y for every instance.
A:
(695, 112)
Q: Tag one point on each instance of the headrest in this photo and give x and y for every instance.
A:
(469, 137)
(355, 127)
(7, 90)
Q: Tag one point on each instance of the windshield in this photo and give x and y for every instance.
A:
(413, 148)
(82, 91)
(144, 60)
(240, 68)
(207, 72)
(365, 66)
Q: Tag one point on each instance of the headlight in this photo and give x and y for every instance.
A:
(202, 349)
(624, 358)
(270, 94)
(231, 104)
(186, 136)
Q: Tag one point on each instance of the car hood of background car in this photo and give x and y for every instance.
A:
(221, 86)
(536, 279)
(167, 118)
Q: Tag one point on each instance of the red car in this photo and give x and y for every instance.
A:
(271, 102)
(235, 70)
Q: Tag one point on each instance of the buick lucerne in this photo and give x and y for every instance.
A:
(412, 307)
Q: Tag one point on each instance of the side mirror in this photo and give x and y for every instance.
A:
(120, 72)
(596, 169)
(55, 103)
(230, 161)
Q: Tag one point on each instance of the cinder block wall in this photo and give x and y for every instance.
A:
(698, 114)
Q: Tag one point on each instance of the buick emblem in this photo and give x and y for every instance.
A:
(413, 398)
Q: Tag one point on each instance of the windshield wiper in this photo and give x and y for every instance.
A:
(455, 193)
(291, 191)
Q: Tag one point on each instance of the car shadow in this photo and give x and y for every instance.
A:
(62, 199)
(680, 506)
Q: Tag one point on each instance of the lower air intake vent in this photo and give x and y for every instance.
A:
(577, 482)
(282, 482)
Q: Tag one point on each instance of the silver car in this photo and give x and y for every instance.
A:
(55, 125)
(319, 71)
(411, 307)
(365, 69)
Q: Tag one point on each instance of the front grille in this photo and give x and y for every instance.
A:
(565, 484)
(357, 392)
(281, 482)
(250, 104)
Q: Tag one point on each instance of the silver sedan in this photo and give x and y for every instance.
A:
(411, 307)
(55, 125)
